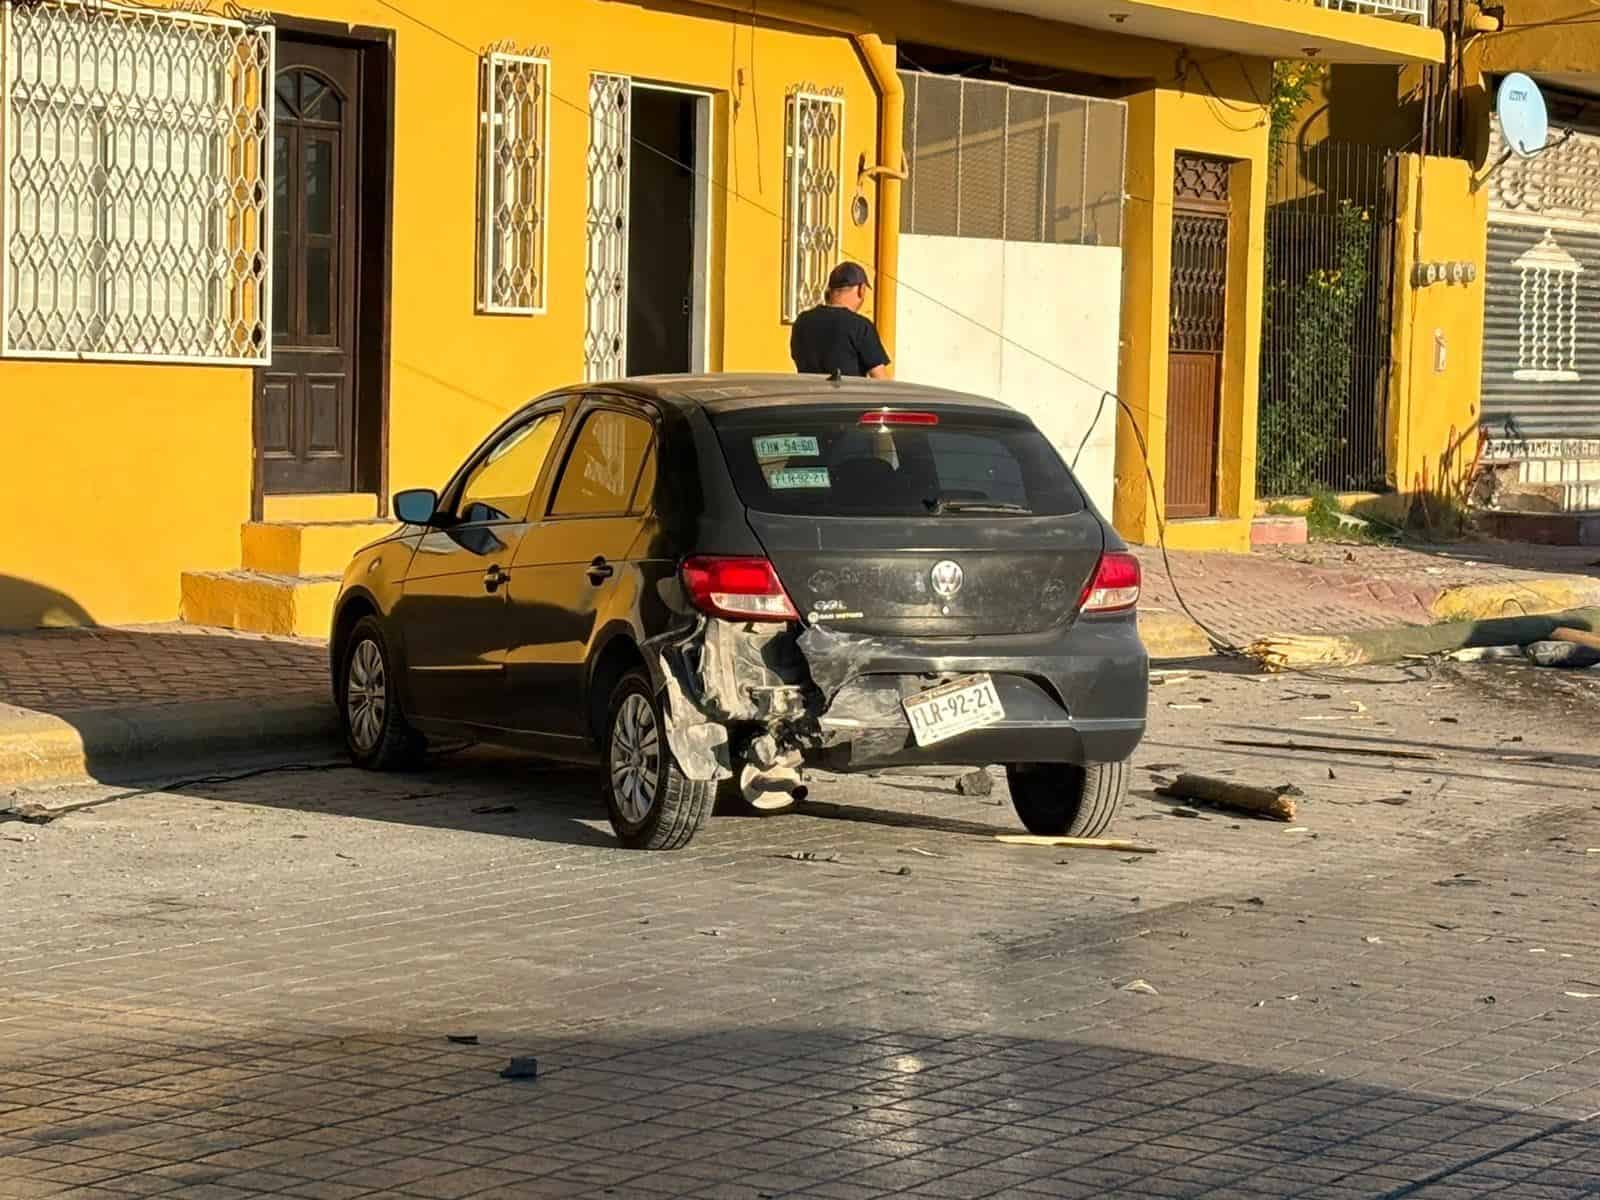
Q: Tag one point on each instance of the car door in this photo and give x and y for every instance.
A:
(452, 611)
(572, 574)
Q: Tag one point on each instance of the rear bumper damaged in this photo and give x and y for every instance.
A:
(758, 701)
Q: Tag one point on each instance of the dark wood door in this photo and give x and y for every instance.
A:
(306, 401)
(1197, 336)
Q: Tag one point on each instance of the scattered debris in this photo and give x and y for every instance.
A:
(1298, 829)
(1372, 941)
(1394, 800)
(1571, 655)
(975, 783)
(709, 932)
(521, 1068)
(1369, 751)
(811, 856)
(494, 810)
(346, 857)
(30, 813)
(1266, 802)
(1486, 1000)
(1030, 839)
(1331, 775)
(921, 851)
(1457, 881)
(1472, 654)
(463, 1039)
(1140, 987)
(896, 871)
(1256, 902)
(1170, 704)
(1583, 995)
(1179, 810)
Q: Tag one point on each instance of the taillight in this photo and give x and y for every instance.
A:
(1115, 586)
(884, 416)
(741, 589)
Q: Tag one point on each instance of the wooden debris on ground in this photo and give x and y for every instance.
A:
(1239, 797)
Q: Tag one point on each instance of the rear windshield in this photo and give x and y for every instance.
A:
(825, 462)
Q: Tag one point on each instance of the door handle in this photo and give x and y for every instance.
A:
(494, 577)
(600, 571)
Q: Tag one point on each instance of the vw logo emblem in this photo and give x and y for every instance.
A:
(946, 578)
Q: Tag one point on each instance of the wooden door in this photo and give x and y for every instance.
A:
(306, 401)
(1197, 334)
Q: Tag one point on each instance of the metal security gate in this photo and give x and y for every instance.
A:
(605, 339)
(1197, 334)
(1325, 353)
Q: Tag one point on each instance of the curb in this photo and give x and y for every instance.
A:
(128, 744)
(1168, 634)
(1530, 598)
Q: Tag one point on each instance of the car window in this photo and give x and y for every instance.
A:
(500, 486)
(824, 462)
(644, 494)
(606, 458)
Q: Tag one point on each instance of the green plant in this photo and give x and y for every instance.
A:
(1326, 521)
(1306, 373)
(1292, 82)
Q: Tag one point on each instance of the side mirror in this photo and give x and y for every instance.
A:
(418, 506)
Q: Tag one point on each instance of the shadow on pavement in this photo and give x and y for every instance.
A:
(763, 1111)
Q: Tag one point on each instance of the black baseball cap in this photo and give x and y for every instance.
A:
(848, 275)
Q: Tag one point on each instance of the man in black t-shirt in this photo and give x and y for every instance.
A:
(834, 336)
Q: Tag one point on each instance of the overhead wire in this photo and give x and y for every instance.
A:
(1219, 643)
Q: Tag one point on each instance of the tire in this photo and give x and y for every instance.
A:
(1066, 800)
(376, 732)
(653, 805)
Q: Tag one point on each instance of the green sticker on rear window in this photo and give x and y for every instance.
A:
(794, 478)
(786, 446)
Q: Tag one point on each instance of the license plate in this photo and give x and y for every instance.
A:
(957, 707)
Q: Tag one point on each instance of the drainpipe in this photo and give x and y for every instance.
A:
(880, 60)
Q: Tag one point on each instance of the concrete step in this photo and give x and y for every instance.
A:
(320, 506)
(302, 548)
(259, 602)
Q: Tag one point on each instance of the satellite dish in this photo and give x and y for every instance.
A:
(1524, 120)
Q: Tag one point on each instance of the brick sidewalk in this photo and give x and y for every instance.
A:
(1333, 588)
(1320, 588)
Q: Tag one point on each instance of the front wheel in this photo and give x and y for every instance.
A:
(653, 805)
(375, 728)
(1066, 800)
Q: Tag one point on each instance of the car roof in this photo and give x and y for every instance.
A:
(726, 393)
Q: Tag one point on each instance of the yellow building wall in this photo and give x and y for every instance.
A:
(114, 479)
(1230, 124)
(1433, 412)
(132, 474)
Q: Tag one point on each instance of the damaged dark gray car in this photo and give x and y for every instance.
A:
(714, 584)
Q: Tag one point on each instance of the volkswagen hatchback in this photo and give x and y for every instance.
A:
(714, 584)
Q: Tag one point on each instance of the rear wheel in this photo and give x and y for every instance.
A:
(1066, 800)
(653, 805)
(375, 728)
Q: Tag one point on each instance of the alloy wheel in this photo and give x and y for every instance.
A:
(635, 758)
(366, 695)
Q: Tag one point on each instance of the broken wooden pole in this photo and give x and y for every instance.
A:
(1224, 793)
(1290, 652)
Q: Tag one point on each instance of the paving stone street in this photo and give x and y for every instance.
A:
(307, 983)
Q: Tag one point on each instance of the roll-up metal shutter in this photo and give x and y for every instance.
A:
(1541, 354)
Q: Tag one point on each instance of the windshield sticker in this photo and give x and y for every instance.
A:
(797, 478)
(785, 446)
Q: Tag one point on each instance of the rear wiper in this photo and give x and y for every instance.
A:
(941, 505)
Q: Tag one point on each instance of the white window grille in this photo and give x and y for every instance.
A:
(135, 183)
(1547, 314)
(813, 165)
(512, 230)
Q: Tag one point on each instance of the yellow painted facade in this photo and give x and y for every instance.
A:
(131, 475)
(1437, 346)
